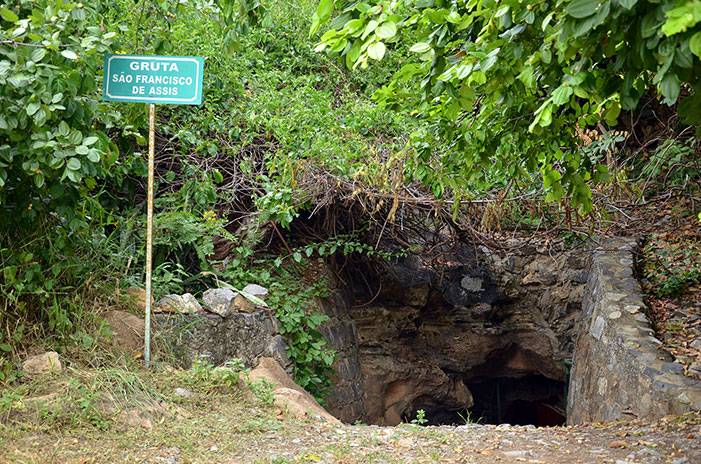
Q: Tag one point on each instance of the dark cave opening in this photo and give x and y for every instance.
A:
(529, 400)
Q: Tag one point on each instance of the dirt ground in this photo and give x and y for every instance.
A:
(230, 425)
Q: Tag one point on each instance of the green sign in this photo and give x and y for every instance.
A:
(174, 80)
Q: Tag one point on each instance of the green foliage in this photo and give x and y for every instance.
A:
(292, 301)
(502, 85)
(420, 418)
(263, 390)
(207, 377)
(345, 245)
(674, 163)
(50, 150)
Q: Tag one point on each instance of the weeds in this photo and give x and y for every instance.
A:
(263, 390)
(420, 418)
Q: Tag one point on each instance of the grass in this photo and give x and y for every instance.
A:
(81, 412)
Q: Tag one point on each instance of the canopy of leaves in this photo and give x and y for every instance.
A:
(508, 86)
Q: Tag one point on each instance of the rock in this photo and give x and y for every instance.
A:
(618, 370)
(288, 395)
(219, 300)
(243, 305)
(135, 418)
(44, 363)
(542, 270)
(695, 367)
(617, 444)
(696, 344)
(183, 392)
(183, 304)
(127, 330)
(517, 454)
(256, 290)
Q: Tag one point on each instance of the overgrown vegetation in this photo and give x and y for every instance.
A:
(477, 113)
(71, 200)
(512, 91)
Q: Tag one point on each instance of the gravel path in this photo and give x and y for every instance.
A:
(620, 444)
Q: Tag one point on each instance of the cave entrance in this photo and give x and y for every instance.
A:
(530, 400)
(461, 339)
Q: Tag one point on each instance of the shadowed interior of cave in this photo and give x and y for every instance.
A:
(533, 399)
(472, 344)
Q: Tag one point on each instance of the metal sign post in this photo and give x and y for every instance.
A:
(149, 232)
(170, 80)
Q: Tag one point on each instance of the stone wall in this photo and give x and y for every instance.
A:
(244, 336)
(619, 371)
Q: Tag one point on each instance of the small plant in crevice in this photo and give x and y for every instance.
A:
(294, 308)
(292, 303)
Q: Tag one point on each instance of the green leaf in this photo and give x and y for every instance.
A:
(386, 30)
(376, 51)
(38, 54)
(73, 164)
(81, 150)
(8, 15)
(681, 18)
(695, 44)
(582, 8)
(670, 87)
(321, 15)
(94, 156)
(90, 140)
(32, 108)
(64, 129)
(369, 29)
(69, 54)
(9, 274)
(627, 4)
(562, 95)
(420, 47)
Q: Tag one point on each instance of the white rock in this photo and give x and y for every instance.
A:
(184, 304)
(183, 392)
(256, 290)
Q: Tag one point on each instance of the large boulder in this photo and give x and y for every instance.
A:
(127, 330)
(289, 396)
(44, 363)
